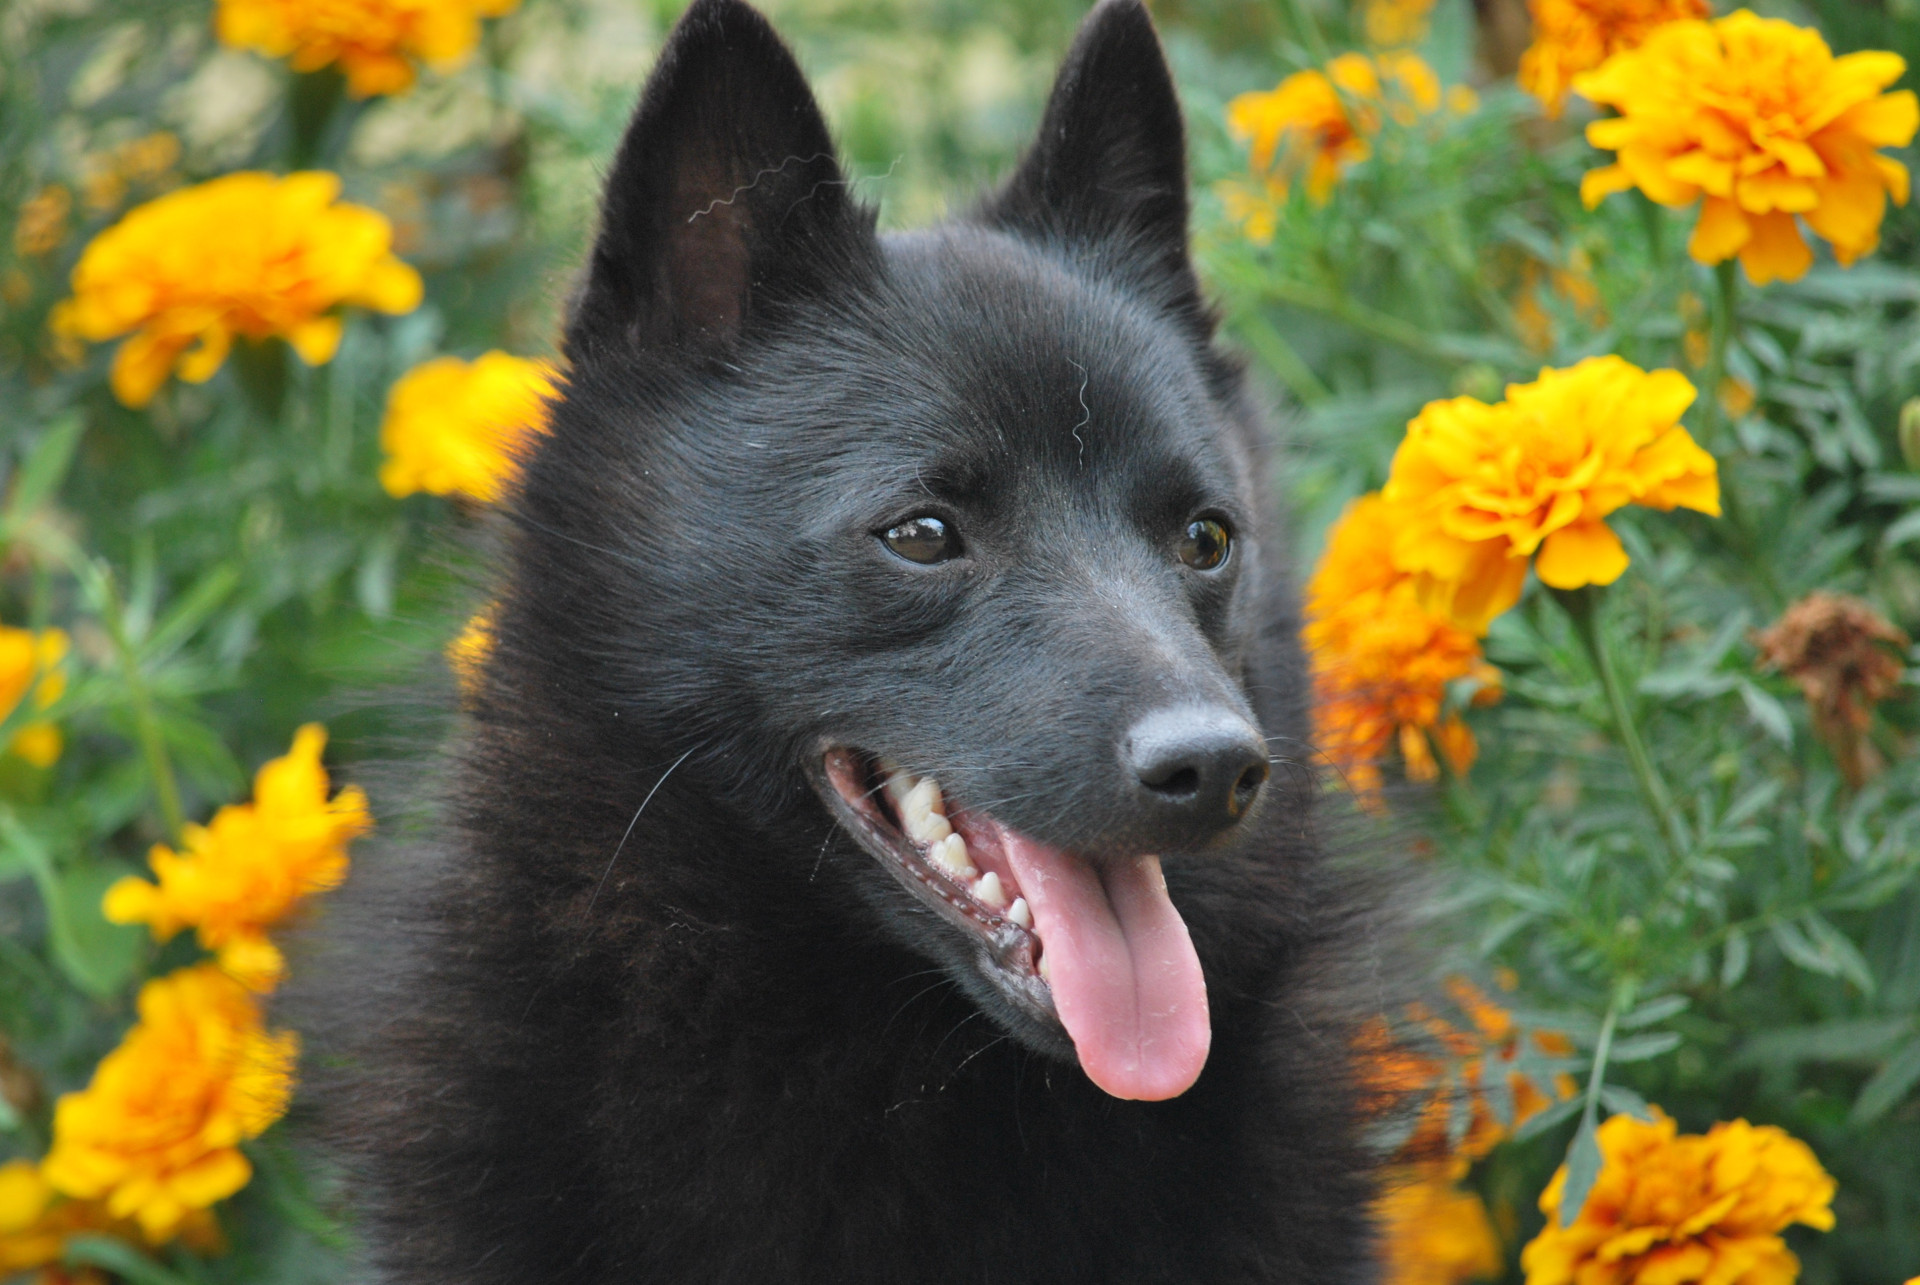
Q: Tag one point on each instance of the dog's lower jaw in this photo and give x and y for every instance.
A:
(1127, 998)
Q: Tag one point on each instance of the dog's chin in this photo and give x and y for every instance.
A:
(1131, 1007)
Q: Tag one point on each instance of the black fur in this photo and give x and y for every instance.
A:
(578, 1039)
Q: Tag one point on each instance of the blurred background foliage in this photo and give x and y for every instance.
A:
(238, 570)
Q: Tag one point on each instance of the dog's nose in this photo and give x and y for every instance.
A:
(1199, 767)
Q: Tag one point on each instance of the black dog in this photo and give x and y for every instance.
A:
(879, 619)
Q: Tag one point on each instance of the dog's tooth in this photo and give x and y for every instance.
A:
(898, 780)
(934, 829)
(1046, 969)
(921, 802)
(950, 854)
(1020, 913)
(990, 891)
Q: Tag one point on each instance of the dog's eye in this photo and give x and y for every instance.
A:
(924, 540)
(1205, 545)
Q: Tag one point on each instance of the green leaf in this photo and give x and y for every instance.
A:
(1639, 1048)
(1887, 1089)
(1734, 959)
(1842, 1041)
(121, 1259)
(1623, 1101)
(1655, 1010)
(1583, 1167)
(96, 956)
(1766, 710)
(43, 470)
(1819, 947)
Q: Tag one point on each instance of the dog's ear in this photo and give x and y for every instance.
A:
(724, 198)
(1107, 175)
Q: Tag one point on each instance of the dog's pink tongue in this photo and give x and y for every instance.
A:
(1125, 979)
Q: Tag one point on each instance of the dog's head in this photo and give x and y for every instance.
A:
(951, 541)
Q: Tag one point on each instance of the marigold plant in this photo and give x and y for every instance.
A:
(252, 865)
(1316, 123)
(1481, 489)
(1674, 1208)
(249, 254)
(1382, 663)
(31, 661)
(1755, 118)
(1572, 36)
(378, 44)
(455, 427)
(155, 1135)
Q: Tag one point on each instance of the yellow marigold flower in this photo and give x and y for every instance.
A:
(376, 43)
(456, 428)
(32, 661)
(1688, 1208)
(1483, 488)
(36, 1221)
(1756, 116)
(1572, 36)
(252, 865)
(1393, 23)
(250, 254)
(1433, 1233)
(1381, 661)
(156, 1133)
(1317, 123)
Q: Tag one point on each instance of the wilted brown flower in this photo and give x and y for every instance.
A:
(1845, 657)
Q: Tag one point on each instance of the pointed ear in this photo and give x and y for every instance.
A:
(724, 199)
(1108, 173)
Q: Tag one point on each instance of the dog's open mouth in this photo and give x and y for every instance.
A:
(1095, 948)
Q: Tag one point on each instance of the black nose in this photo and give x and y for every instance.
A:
(1200, 767)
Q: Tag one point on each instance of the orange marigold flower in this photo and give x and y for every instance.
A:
(1756, 116)
(31, 661)
(1481, 489)
(252, 865)
(250, 254)
(377, 43)
(155, 1135)
(1688, 1208)
(457, 428)
(1382, 663)
(1433, 1233)
(1572, 36)
(1393, 23)
(1317, 123)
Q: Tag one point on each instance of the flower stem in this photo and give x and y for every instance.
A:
(153, 746)
(1368, 321)
(1582, 607)
(1726, 302)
